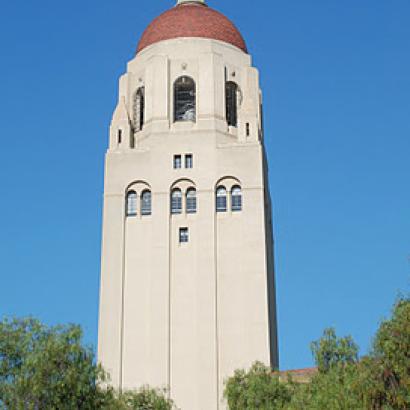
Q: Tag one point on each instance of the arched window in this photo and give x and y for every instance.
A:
(231, 102)
(191, 201)
(176, 201)
(131, 207)
(139, 106)
(184, 99)
(236, 199)
(146, 203)
(221, 199)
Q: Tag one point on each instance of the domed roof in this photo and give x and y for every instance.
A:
(191, 19)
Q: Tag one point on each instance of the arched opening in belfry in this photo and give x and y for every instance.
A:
(139, 107)
(231, 103)
(184, 99)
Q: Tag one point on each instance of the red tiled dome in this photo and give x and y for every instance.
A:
(192, 20)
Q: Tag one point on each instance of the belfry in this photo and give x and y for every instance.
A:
(187, 281)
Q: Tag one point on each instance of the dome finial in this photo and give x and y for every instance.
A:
(190, 1)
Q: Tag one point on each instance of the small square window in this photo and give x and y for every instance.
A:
(189, 161)
(183, 235)
(177, 161)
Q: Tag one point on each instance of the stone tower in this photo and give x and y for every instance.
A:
(187, 282)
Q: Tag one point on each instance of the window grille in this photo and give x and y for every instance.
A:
(183, 235)
(131, 203)
(221, 203)
(146, 203)
(177, 161)
(176, 201)
(184, 99)
(231, 96)
(191, 201)
(189, 161)
(236, 199)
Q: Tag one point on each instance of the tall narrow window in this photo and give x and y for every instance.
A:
(131, 203)
(236, 199)
(177, 161)
(119, 136)
(146, 203)
(183, 235)
(184, 99)
(231, 96)
(189, 161)
(221, 203)
(176, 201)
(139, 107)
(191, 201)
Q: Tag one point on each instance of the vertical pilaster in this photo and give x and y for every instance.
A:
(111, 288)
(157, 88)
(249, 118)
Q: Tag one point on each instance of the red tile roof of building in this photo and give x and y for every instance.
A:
(309, 370)
(192, 20)
(299, 375)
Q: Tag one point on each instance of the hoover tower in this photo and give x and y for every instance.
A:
(187, 282)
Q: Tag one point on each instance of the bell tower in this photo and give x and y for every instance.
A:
(187, 280)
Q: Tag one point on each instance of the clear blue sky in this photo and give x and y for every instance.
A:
(336, 83)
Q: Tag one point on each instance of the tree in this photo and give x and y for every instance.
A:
(47, 368)
(330, 351)
(256, 389)
(145, 399)
(386, 371)
(334, 386)
(379, 381)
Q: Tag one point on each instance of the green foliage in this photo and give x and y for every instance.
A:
(145, 399)
(336, 389)
(46, 368)
(386, 372)
(256, 390)
(331, 351)
(335, 385)
(379, 381)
